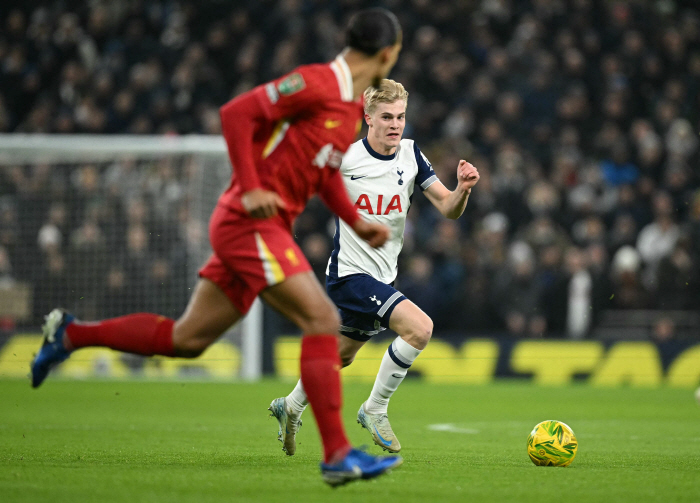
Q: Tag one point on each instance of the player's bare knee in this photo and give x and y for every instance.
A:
(347, 358)
(325, 322)
(420, 333)
(189, 348)
(187, 343)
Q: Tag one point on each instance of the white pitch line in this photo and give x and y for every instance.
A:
(452, 428)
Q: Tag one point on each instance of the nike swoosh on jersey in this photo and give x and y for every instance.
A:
(330, 124)
(353, 177)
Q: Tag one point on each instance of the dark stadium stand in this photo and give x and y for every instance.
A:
(582, 117)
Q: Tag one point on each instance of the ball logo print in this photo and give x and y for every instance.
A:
(552, 443)
(374, 298)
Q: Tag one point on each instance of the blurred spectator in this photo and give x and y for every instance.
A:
(416, 284)
(664, 330)
(618, 170)
(579, 295)
(6, 278)
(628, 292)
(677, 279)
(116, 295)
(658, 239)
(517, 294)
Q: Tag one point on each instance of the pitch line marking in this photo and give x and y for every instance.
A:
(451, 428)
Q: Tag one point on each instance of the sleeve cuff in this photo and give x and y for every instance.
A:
(428, 182)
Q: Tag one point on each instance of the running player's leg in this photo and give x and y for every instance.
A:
(302, 300)
(415, 329)
(297, 400)
(208, 315)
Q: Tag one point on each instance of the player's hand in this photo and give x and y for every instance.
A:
(375, 234)
(467, 175)
(261, 203)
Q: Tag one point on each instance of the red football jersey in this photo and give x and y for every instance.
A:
(301, 126)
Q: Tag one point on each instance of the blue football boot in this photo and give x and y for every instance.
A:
(357, 465)
(52, 351)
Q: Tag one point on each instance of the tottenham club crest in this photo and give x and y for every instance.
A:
(400, 173)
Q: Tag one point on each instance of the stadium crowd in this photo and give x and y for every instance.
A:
(582, 117)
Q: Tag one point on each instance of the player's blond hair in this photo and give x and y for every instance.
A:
(389, 91)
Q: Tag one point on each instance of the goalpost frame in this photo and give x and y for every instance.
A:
(24, 149)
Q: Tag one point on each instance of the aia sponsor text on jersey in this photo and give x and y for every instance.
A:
(364, 203)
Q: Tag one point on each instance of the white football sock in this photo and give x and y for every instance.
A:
(296, 400)
(398, 358)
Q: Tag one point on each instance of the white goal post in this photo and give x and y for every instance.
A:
(202, 170)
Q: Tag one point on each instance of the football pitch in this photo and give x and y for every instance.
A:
(135, 441)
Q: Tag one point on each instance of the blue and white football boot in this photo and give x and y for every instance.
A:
(52, 351)
(357, 465)
(289, 425)
(380, 429)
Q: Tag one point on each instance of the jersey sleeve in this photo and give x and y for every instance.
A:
(334, 194)
(239, 118)
(293, 93)
(285, 98)
(426, 176)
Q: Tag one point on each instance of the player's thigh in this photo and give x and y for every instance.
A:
(348, 349)
(411, 323)
(365, 304)
(208, 315)
(302, 300)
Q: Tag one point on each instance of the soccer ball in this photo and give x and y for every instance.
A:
(552, 443)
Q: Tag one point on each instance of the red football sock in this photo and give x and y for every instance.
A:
(320, 375)
(143, 333)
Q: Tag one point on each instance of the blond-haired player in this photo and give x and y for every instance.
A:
(380, 172)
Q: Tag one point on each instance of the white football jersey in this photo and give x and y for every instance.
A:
(381, 186)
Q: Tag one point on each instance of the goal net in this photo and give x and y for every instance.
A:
(110, 225)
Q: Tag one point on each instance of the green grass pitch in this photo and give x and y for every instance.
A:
(137, 441)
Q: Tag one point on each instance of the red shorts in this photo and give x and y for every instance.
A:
(250, 255)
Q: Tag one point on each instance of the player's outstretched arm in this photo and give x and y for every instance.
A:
(334, 194)
(451, 203)
(238, 120)
(241, 117)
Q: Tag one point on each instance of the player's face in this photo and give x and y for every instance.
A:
(386, 125)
